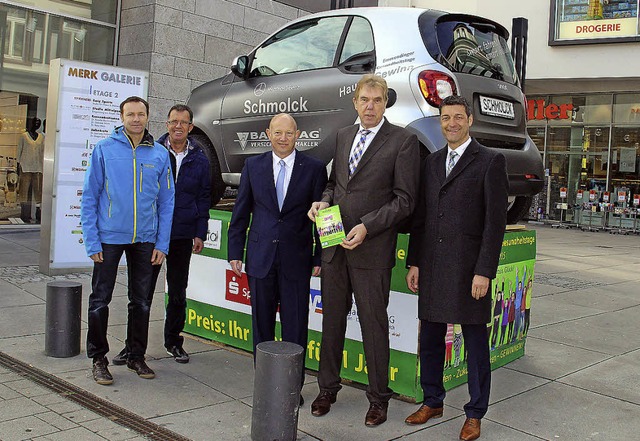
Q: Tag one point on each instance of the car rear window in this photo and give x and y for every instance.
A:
(472, 45)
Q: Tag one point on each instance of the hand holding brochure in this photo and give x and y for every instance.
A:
(329, 225)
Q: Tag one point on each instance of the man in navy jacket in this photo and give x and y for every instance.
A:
(277, 188)
(190, 168)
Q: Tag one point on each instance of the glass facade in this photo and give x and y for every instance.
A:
(32, 33)
(591, 150)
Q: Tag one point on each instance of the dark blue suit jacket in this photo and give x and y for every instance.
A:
(290, 231)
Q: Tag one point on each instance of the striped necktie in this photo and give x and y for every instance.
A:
(452, 161)
(356, 154)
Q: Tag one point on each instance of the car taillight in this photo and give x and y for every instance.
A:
(435, 86)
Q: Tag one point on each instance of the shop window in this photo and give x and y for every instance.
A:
(625, 159)
(100, 10)
(626, 109)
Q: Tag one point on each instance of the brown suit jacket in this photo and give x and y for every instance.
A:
(381, 193)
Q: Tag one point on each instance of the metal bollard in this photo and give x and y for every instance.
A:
(62, 331)
(276, 391)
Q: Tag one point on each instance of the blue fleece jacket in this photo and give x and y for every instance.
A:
(128, 194)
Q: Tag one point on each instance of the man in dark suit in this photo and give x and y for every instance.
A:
(374, 181)
(277, 188)
(454, 248)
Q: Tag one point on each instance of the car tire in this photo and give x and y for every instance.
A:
(519, 209)
(217, 184)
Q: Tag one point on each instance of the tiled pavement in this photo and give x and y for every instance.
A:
(579, 379)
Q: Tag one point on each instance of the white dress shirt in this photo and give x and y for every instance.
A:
(288, 169)
(460, 151)
(367, 142)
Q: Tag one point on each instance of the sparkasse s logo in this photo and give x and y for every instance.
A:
(316, 301)
(237, 288)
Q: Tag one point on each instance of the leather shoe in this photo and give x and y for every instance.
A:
(376, 415)
(424, 414)
(301, 401)
(470, 429)
(322, 404)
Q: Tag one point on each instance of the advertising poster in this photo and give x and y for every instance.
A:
(83, 107)
(219, 309)
(596, 19)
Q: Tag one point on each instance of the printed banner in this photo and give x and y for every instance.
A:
(219, 309)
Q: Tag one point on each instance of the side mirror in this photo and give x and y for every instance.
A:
(239, 66)
(393, 97)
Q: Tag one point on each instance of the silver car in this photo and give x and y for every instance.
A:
(310, 67)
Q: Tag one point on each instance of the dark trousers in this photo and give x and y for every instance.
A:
(178, 261)
(432, 350)
(291, 295)
(140, 271)
(371, 291)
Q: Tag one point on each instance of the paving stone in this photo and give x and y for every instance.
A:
(25, 428)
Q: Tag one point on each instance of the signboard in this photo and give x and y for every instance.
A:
(83, 107)
(605, 196)
(579, 194)
(592, 195)
(563, 192)
(622, 196)
(219, 308)
(580, 21)
(636, 200)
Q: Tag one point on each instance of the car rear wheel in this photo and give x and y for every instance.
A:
(217, 184)
(518, 209)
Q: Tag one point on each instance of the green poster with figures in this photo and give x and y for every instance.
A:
(219, 309)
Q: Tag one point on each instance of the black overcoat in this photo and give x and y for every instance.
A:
(457, 232)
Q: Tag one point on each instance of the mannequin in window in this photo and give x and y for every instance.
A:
(30, 158)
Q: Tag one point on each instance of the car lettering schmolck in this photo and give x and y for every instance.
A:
(288, 106)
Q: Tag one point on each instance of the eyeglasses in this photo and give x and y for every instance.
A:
(175, 123)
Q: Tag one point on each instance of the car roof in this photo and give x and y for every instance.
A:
(379, 12)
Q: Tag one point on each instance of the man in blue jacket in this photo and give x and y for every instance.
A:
(191, 176)
(127, 207)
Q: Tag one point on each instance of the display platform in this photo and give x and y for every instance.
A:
(218, 308)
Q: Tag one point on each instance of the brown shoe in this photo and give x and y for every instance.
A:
(376, 415)
(322, 404)
(140, 367)
(100, 371)
(470, 429)
(424, 414)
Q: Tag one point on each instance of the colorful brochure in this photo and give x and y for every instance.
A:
(329, 225)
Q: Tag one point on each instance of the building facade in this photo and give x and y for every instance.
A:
(181, 43)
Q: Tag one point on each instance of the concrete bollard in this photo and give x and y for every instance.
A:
(63, 318)
(276, 391)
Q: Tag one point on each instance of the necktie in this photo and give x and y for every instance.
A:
(280, 184)
(452, 161)
(356, 155)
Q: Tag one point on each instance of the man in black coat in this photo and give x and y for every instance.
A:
(454, 250)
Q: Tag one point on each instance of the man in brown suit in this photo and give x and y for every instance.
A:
(374, 180)
(454, 248)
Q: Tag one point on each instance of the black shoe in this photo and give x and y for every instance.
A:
(301, 401)
(178, 354)
(141, 368)
(121, 358)
(100, 371)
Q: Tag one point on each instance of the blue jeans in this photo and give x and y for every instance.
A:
(140, 271)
